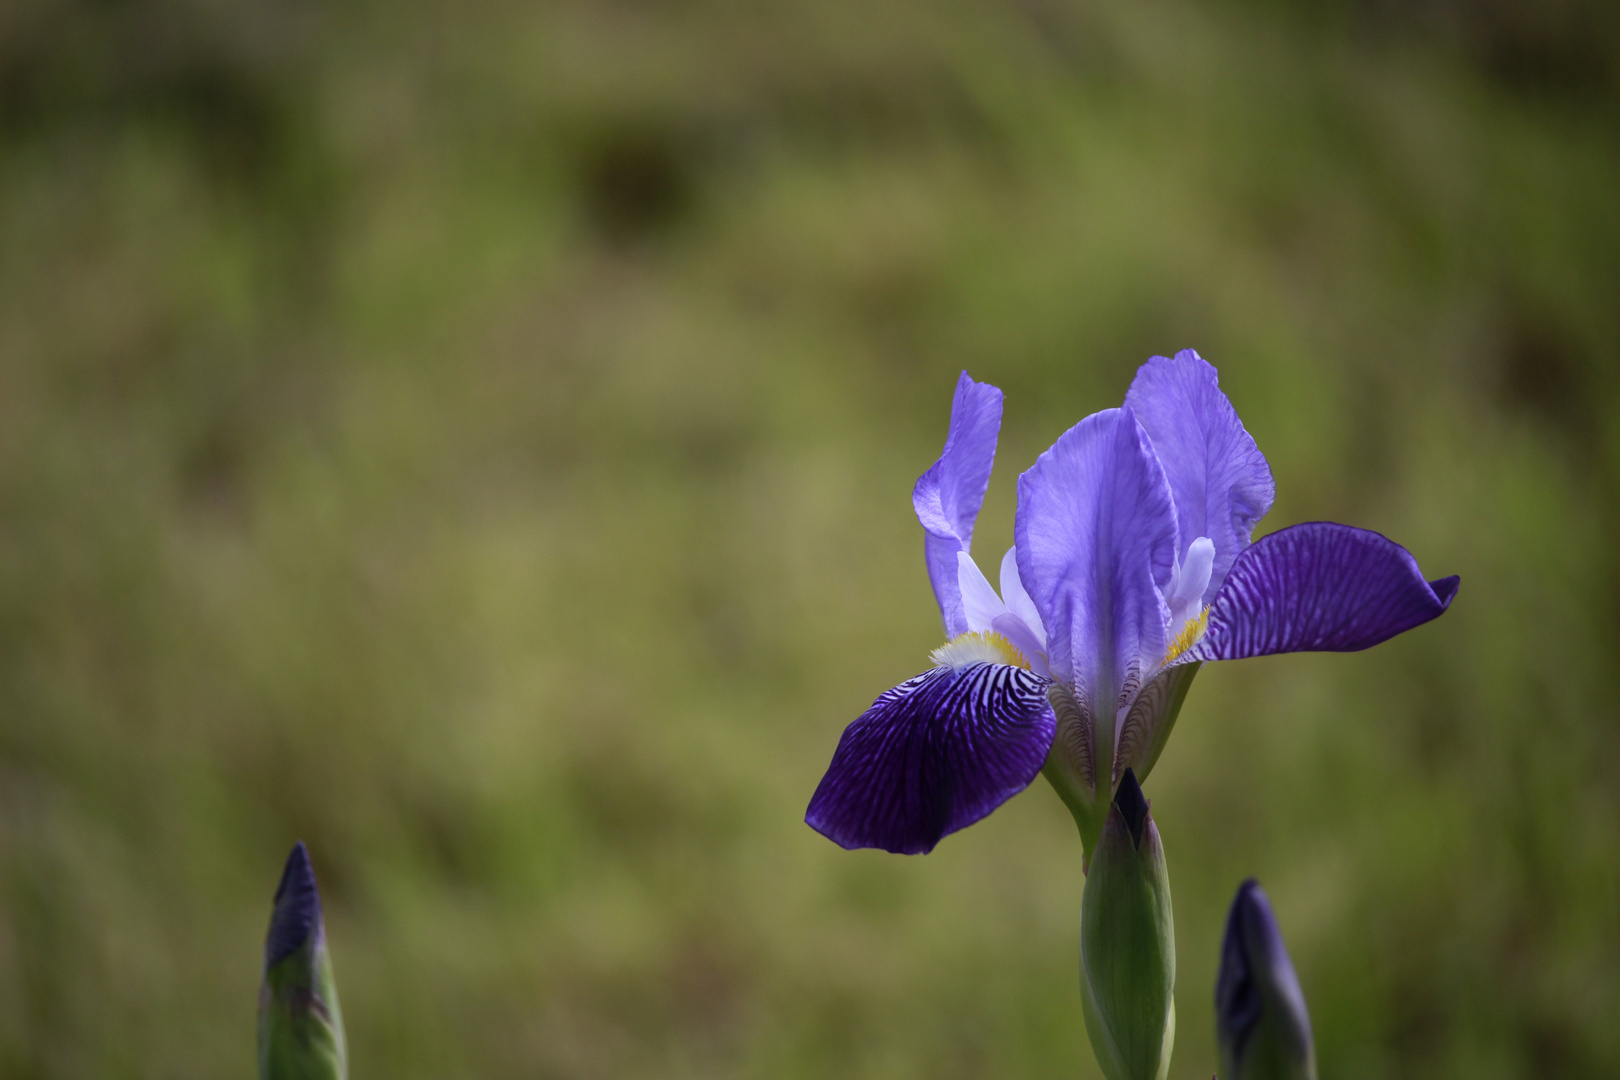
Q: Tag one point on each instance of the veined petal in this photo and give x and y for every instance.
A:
(1096, 533)
(933, 755)
(1319, 587)
(1149, 720)
(948, 496)
(1220, 479)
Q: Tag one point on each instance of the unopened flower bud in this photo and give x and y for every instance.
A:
(1260, 1018)
(1127, 944)
(300, 1025)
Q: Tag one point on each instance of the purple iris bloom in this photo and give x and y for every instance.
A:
(1131, 566)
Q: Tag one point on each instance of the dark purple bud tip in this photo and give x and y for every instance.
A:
(1261, 1021)
(1132, 806)
(297, 912)
(1237, 997)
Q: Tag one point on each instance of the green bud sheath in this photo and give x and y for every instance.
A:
(1127, 944)
(300, 1025)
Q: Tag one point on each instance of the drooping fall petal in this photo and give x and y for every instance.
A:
(1319, 587)
(933, 755)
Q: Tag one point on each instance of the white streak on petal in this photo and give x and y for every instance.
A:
(1191, 580)
(1017, 599)
(980, 603)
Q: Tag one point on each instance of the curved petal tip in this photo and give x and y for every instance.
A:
(1445, 589)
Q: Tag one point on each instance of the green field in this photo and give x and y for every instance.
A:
(478, 440)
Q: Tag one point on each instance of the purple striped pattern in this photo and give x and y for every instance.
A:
(934, 755)
(1319, 587)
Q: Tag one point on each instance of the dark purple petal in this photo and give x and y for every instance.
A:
(297, 912)
(1095, 536)
(1319, 587)
(1220, 479)
(933, 755)
(948, 496)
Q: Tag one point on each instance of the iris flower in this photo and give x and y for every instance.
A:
(1131, 567)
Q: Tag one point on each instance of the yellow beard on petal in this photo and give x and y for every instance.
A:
(1190, 633)
(975, 647)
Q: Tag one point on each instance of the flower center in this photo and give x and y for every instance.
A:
(978, 647)
(1190, 633)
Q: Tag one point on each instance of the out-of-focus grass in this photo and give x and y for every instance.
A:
(478, 441)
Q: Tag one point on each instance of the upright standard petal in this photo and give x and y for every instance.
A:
(1095, 535)
(948, 496)
(934, 755)
(1220, 479)
(1319, 587)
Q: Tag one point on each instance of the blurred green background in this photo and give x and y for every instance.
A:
(477, 439)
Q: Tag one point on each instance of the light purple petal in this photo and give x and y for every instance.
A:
(933, 755)
(980, 604)
(948, 496)
(1017, 598)
(1095, 536)
(1220, 479)
(1319, 587)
